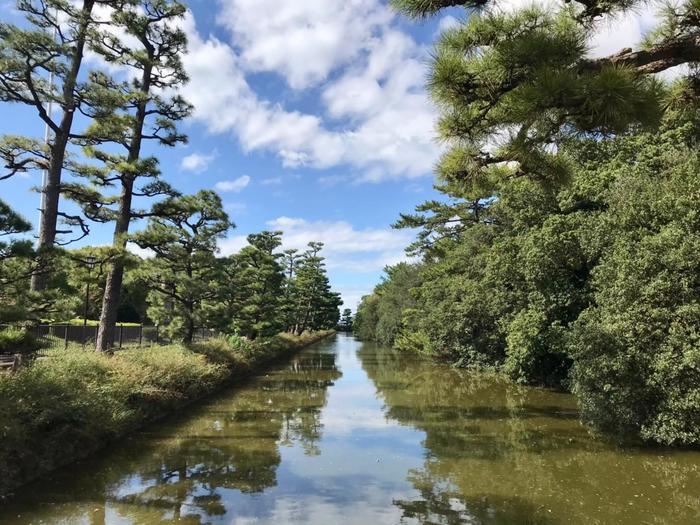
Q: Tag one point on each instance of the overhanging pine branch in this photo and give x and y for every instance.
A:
(654, 60)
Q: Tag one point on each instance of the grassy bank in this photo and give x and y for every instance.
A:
(68, 406)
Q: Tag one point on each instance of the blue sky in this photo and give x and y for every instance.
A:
(310, 117)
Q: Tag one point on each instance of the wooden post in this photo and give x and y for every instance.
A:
(65, 339)
(156, 334)
(121, 335)
(140, 335)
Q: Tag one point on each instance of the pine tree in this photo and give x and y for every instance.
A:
(11, 224)
(184, 274)
(145, 112)
(513, 86)
(52, 45)
(316, 306)
(256, 285)
(346, 320)
(12, 272)
(290, 261)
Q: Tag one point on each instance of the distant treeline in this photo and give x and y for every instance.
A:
(257, 292)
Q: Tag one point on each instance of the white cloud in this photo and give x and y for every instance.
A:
(232, 245)
(352, 294)
(197, 162)
(447, 22)
(144, 253)
(623, 30)
(346, 248)
(376, 116)
(233, 186)
(303, 41)
(271, 181)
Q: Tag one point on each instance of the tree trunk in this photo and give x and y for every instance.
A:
(190, 330)
(115, 277)
(189, 334)
(52, 190)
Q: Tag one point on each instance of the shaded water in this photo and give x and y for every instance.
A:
(353, 433)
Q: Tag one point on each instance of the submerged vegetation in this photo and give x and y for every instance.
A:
(565, 253)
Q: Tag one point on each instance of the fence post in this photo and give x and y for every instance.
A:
(140, 335)
(121, 335)
(65, 338)
(156, 334)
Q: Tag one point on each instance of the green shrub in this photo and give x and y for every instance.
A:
(64, 407)
(217, 350)
(240, 344)
(18, 341)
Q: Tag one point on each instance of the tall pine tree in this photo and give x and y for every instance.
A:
(513, 85)
(148, 111)
(40, 65)
(184, 274)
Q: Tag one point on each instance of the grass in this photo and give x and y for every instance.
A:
(65, 407)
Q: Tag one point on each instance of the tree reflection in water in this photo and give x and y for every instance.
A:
(179, 470)
(405, 441)
(498, 453)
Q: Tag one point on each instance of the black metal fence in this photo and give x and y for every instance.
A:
(63, 335)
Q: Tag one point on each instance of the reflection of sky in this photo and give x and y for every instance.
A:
(361, 469)
(341, 460)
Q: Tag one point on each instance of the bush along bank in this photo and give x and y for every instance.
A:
(72, 404)
(592, 286)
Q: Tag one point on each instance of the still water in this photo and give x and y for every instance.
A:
(353, 433)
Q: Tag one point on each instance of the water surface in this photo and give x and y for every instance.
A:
(353, 433)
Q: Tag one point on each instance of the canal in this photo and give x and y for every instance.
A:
(352, 433)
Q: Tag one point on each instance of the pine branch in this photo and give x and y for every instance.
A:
(658, 58)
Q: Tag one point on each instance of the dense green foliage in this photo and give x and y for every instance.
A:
(380, 317)
(312, 304)
(252, 302)
(346, 321)
(263, 291)
(183, 274)
(566, 252)
(591, 285)
(65, 407)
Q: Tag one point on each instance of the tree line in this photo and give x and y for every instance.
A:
(565, 250)
(100, 117)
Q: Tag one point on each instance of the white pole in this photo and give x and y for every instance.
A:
(47, 132)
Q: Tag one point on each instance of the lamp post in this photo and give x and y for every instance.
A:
(90, 263)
